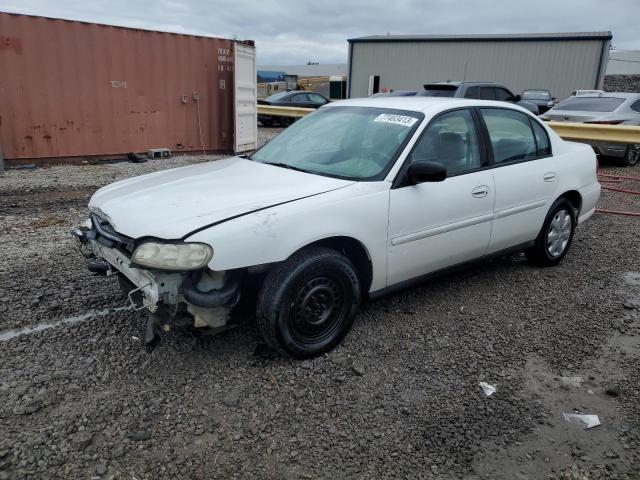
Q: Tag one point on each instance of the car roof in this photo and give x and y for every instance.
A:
(427, 105)
(609, 95)
(465, 82)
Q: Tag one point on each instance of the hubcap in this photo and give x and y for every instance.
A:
(634, 153)
(559, 233)
(317, 310)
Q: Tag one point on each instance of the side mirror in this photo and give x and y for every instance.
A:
(422, 171)
(517, 98)
(553, 99)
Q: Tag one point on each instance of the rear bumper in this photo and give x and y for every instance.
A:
(590, 195)
(609, 149)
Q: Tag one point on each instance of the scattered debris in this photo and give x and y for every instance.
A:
(140, 436)
(487, 388)
(610, 454)
(573, 382)
(136, 158)
(589, 421)
(612, 389)
(47, 222)
(81, 440)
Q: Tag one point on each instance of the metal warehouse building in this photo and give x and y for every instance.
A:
(559, 62)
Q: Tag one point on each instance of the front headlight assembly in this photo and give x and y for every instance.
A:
(172, 256)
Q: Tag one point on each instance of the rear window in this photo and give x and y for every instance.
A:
(590, 104)
(438, 91)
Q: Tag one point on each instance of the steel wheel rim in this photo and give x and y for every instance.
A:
(317, 310)
(559, 233)
(634, 153)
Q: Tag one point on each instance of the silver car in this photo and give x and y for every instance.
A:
(610, 108)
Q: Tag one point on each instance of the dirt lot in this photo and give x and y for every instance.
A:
(399, 399)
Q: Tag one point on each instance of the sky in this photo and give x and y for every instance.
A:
(293, 32)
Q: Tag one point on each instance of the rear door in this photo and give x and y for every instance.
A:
(245, 98)
(525, 176)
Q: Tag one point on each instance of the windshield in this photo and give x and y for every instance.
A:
(536, 95)
(277, 96)
(355, 143)
(590, 104)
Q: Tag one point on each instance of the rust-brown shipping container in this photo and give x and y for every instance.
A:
(74, 89)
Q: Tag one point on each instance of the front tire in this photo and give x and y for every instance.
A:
(308, 303)
(556, 235)
(631, 155)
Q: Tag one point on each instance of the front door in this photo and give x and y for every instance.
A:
(435, 225)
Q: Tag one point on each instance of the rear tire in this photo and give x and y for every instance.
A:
(308, 303)
(556, 235)
(631, 155)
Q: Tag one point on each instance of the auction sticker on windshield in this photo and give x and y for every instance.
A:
(397, 119)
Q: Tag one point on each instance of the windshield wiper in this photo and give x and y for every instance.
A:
(286, 165)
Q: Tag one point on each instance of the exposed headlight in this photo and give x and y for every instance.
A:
(172, 256)
(550, 103)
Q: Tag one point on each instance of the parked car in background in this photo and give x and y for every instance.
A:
(477, 90)
(396, 93)
(353, 201)
(294, 98)
(542, 98)
(610, 108)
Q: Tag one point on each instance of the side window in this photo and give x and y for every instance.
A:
(542, 138)
(472, 92)
(301, 98)
(510, 134)
(635, 106)
(504, 95)
(487, 93)
(317, 99)
(450, 140)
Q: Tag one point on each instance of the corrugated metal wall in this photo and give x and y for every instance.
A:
(70, 89)
(560, 66)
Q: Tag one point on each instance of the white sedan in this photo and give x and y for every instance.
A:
(357, 199)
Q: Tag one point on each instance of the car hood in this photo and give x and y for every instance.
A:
(173, 203)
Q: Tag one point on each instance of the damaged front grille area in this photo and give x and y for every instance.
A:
(106, 234)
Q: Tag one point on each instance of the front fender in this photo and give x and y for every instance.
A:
(359, 211)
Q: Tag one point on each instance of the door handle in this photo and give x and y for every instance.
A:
(549, 177)
(480, 191)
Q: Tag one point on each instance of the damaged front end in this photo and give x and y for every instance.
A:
(168, 278)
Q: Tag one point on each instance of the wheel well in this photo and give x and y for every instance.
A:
(574, 197)
(356, 253)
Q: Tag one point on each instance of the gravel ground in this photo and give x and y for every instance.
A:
(399, 399)
(622, 83)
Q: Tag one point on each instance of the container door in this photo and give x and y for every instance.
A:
(246, 113)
